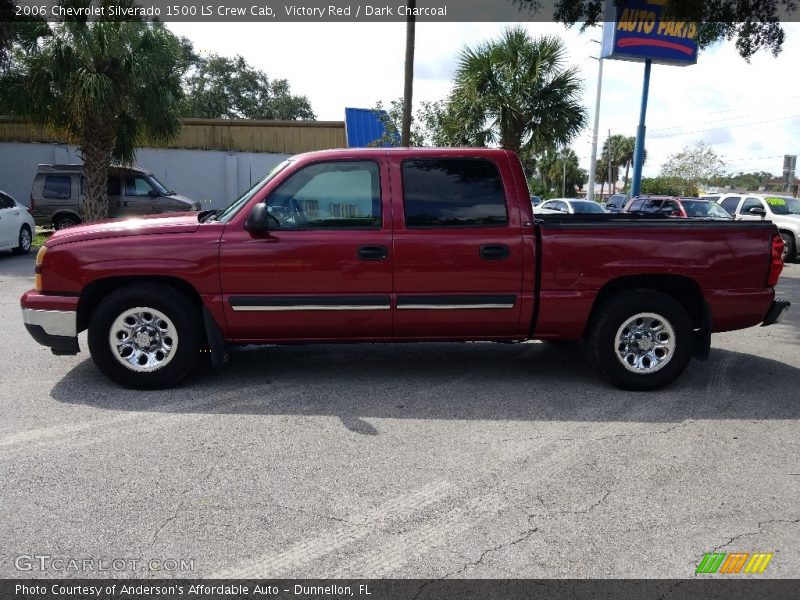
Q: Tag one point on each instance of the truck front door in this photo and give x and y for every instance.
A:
(458, 252)
(326, 271)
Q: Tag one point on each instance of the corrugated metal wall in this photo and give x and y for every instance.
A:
(281, 137)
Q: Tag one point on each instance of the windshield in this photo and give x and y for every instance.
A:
(158, 186)
(227, 214)
(784, 205)
(584, 208)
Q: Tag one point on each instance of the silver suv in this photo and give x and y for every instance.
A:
(58, 191)
(782, 210)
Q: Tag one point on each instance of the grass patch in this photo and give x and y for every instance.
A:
(40, 238)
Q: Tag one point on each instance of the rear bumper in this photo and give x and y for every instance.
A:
(50, 321)
(775, 311)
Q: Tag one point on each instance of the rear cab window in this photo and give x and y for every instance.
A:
(57, 187)
(453, 192)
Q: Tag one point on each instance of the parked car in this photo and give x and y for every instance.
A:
(573, 206)
(404, 244)
(616, 203)
(58, 191)
(16, 225)
(535, 200)
(782, 210)
(686, 208)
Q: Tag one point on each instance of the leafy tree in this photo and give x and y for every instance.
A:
(108, 86)
(669, 186)
(219, 87)
(516, 92)
(754, 25)
(696, 163)
(433, 125)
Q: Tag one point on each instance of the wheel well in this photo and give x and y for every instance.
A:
(93, 294)
(64, 213)
(789, 232)
(682, 289)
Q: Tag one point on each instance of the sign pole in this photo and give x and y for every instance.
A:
(638, 155)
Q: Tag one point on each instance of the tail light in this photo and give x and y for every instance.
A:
(32, 205)
(776, 260)
(38, 268)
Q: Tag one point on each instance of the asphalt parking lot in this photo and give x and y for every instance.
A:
(423, 461)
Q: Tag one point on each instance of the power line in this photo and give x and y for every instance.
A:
(666, 135)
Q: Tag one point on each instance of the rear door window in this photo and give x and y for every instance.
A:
(637, 205)
(453, 192)
(6, 201)
(57, 187)
(731, 203)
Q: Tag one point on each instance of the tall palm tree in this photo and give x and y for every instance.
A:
(517, 92)
(107, 86)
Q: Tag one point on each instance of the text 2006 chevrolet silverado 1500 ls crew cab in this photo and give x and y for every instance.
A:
(365, 245)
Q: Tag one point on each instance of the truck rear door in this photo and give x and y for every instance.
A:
(458, 255)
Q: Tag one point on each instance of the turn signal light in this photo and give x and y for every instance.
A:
(776, 260)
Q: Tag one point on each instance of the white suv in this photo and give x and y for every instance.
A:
(782, 210)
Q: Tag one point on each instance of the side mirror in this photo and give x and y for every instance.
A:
(260, 221)
(757, 210)
(153, 194)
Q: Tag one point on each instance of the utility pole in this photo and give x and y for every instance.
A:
(564, 180)
(405, 134)
(593, 164)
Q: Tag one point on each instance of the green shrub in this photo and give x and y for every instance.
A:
(669, 186)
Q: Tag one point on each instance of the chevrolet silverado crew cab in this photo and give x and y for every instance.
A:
(377, 245)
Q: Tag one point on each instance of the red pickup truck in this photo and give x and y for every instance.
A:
(365, 245)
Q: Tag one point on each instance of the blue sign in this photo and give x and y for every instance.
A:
(634, 31)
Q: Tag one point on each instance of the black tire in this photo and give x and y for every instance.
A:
(25, 240)
(646, 369)
(65, 221)
(184, 334)
(789, 248)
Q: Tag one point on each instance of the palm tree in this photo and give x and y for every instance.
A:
(107, 86)
(517, 92)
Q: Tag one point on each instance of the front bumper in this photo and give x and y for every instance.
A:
(50, 321)
(775, 311)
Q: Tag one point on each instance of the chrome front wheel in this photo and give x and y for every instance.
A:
(143, 339)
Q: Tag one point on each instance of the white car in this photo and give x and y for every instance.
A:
(781, 209)
(16, 225)
(572, 206)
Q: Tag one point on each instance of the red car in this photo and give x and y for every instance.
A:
(673, 206)
(365, 245)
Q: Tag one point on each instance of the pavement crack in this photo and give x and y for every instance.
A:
(315, 514)
(589, 439)
(179, 506)
(479, 561)
(760, 526)
(581, 511)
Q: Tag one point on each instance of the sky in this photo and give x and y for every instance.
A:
(749, 112)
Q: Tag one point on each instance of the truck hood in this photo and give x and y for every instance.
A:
(182, 198)
(147, 225)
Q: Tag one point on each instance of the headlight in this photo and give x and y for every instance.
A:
(38, 270)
